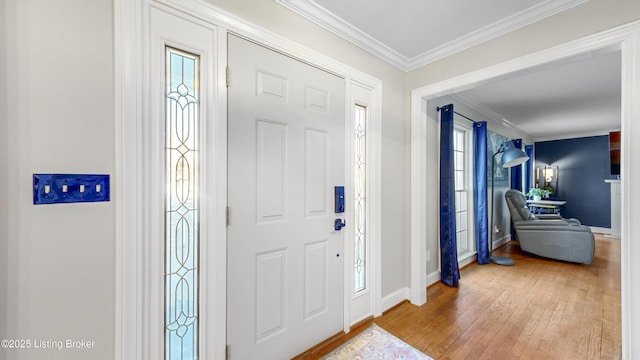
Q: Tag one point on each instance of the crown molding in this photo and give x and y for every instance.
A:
(494, 30)
(327, 20)
(324, 18)
(491, 115)
(573, 135)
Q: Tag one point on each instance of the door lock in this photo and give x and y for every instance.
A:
(339, 224)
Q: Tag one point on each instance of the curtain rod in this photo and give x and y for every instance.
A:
(455, 112)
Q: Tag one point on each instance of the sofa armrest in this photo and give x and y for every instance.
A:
(547, 216)
(541, 223)
(530, 226)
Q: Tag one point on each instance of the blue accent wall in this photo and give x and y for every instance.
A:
(583, 165)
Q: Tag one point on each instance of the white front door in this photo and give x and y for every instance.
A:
(286, 154)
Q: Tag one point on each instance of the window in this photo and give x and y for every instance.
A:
(181, 204)
(463, 152)
(360, 189)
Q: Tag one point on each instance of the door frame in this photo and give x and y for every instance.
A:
(424, 131)
(133, 337)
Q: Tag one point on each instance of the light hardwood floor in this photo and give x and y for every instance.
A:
(537, 309)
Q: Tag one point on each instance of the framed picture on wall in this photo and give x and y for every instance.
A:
(501, 174)
(614, 152)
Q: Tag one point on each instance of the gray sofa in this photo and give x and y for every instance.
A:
(555, 238)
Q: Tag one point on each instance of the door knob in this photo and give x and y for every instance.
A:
(339, 224)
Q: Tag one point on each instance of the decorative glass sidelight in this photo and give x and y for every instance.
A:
(360, 240)
(182, 120)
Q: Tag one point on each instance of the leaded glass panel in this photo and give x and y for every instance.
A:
(360, 243)
(181, 204)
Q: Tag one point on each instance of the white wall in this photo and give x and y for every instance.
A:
(279, 20)
(4, 174)
(58, 266)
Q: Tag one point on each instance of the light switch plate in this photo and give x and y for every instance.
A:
(70, 188)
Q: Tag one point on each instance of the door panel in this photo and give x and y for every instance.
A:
(286, 153)
(271, 165)
(316, 162)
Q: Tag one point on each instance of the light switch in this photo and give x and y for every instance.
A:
(69, 188)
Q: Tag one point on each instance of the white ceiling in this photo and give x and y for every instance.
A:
(571, 98)
(412, 33)
(576, 97)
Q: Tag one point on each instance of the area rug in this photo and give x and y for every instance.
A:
(375, 343)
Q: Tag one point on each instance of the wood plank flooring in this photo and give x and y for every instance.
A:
(537, 309)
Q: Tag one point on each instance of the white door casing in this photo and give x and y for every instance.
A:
(186, 34)
(138, 334)
(167, 27)
(360, 304)
(286, 154)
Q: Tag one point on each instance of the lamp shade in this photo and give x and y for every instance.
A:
(512, 156)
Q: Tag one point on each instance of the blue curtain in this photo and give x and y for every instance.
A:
(480, 191)
(528, 168)
(449, 271)
(516, 171)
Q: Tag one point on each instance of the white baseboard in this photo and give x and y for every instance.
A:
(433, 278)
(503, 240)
(395, 298)
(600, 230)
(467, 260)
(403, 294)
(608, 233)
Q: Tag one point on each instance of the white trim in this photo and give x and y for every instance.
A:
(324, 18)
(492, 31)
(628, 38)
(432, 278)
(216, 252)
(600, 230)
(348, 270)
(375, 201)
(127, 62)
(404, 293)
(466, 127)
(491, 115)
(467, 258)
(132, 313)
(630, 196)
(395, 298)
(360, 94)
(420, 212)
(501, 241)
(574, 135)
(243, 28)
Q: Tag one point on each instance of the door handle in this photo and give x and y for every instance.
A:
(339, 224)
